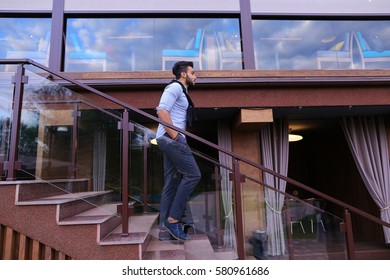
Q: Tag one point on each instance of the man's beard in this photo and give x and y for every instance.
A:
(190, 82)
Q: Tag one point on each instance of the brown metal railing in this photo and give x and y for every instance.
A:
(126, 125)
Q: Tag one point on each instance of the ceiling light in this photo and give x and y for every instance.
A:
(294, 137)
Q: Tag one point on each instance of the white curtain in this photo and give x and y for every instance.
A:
(224, 140)
(99, 159)
(367, 139)
(274, 152)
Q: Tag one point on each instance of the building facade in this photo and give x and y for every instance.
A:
(314, 68)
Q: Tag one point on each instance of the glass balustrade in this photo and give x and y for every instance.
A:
(69, 147)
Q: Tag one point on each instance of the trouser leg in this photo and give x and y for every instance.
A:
(178, 155)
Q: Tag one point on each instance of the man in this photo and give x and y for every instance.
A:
(181, 172)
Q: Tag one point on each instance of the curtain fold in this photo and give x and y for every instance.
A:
(274, 153)
(224, 140)
(367, 140)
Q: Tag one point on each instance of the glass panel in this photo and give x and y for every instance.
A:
(203, 209)
(71, 146)
(278, 227)
(25, 38)
(316, 44)
(226, 243)
(204, 214)
(145, 173)
(151, 43)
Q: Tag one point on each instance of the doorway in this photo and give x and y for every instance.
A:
(323, 161)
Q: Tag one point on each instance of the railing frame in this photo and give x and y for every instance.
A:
(73, 163)
(12, 164)
(126, 127)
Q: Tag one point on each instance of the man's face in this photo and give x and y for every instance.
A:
(190, 76)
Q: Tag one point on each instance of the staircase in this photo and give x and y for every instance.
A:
(38, 221)
(77, 223)
(85, 225)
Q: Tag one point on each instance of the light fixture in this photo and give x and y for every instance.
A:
(153, 141)
(62, 129)
(294, 137)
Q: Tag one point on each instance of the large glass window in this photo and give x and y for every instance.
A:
(25, 38)
(108, 44)
(317, 44)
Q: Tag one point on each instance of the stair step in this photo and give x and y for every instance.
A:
(95, 215)
(34, 189)
(80, 206)
(163, 250)
(59, 199)
(197, 248)
(138, 229)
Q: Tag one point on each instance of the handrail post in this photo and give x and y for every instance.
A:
(126, 128)
(351, 254)
(239, 210)
(73, 161)
(19, 80)
(217, 183)
(145, 179)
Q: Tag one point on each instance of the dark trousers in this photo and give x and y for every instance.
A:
(181, 175)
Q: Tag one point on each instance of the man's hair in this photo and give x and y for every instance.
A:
(181, 66)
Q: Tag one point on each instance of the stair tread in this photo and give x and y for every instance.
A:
(60, 199)
(95, 215)
(163, 250)
(197, 248)
(138, 229)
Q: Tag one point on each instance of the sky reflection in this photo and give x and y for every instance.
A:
(123, 44)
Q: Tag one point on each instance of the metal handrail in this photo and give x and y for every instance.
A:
(236, 158)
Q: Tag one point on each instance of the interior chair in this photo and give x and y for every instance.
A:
(41, 55)
(340, 52)
(227, 52)
(313, 214)
(78, 56)
(297, 213)
(192, 52)
(370, 53)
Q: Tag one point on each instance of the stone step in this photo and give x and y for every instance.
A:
(35, 189)
(163, 250)
(96, 215)
(139, 227)
(60, 199)
(197, 248)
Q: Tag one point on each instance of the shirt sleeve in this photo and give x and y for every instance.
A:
(169, 97)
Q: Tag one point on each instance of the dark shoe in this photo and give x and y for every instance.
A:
(176, 230)
(164, 235)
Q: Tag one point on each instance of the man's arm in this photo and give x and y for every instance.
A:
(166, 117)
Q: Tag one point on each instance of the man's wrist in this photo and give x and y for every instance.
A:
(175, 138)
